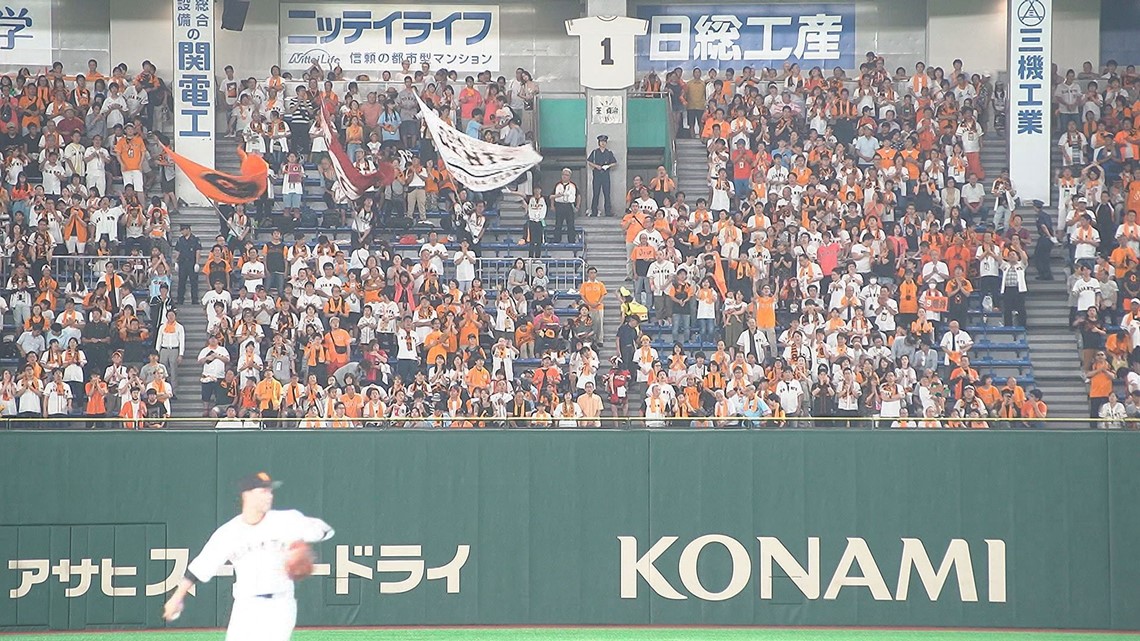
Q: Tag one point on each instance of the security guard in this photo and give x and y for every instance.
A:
(601, 160)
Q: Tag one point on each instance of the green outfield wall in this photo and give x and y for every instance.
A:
(975, 529)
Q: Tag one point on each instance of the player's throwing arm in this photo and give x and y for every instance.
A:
(269, 551)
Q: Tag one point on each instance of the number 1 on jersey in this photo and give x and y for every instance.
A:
(607, 57)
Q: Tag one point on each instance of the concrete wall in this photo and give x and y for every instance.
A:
(905, 31)
(140, 30)
(973, 30)
(977, 32)
(78, 36)
(254, 49)
(1120, 31)
(1076, 33)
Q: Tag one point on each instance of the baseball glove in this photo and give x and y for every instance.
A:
(299, 560)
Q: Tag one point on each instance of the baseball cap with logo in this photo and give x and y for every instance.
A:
(257, 481)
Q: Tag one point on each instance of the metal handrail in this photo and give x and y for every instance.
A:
(606, 423)
(62, 267)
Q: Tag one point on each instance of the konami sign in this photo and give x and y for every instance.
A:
(857, 568)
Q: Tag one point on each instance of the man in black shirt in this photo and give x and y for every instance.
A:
(627, 337)
(155, 410)
(275, 266)
(97, 341)
(32, 147)
(10, 140)
(186, 250)
(823, 397)
(1045, 242)
(600, 161)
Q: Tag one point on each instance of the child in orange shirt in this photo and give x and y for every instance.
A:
(524, 337)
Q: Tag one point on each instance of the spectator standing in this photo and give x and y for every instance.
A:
(1099, 377)
(1042, 252)
(171, 343)
(694, 99)
(129, 150)
(565, 201)
(535, 230)
(593, 293)
(186, 256)
(1068, 97)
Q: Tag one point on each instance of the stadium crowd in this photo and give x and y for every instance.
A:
(848, 238)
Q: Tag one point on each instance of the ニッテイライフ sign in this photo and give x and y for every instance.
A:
(367, 37)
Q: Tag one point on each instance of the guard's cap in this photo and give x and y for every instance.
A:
(603, 138)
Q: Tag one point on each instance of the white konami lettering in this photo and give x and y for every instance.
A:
(856, 568)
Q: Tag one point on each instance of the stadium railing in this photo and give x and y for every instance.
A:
(604, 423)
(90, 269)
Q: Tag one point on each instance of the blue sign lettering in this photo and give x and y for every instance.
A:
(759, 35)
(11, 24)
(348, 26)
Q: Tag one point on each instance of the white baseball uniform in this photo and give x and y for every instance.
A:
(264, 606)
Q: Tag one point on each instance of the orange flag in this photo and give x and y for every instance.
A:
(226, 188)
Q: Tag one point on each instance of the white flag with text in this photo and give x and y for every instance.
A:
(477, 165)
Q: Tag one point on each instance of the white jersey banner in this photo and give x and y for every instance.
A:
(478, 165)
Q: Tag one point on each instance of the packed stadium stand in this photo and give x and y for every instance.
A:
(823, 249)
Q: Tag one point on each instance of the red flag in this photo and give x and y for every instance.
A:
(352, 182)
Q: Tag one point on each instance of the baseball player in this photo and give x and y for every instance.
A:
(257, 543)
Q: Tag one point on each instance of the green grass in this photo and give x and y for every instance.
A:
(605, 634)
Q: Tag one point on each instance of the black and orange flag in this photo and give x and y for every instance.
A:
(227, 188)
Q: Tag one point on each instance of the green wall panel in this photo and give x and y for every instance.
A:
(1040, 528)
(562, 123)
(648, 123)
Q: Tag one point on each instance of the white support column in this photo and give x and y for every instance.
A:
(193, 89)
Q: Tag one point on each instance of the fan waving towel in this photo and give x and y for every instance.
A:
(227, 188)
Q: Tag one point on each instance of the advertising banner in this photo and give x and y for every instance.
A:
(738, 35)
(367, 37)
(1030, 118)
(194, 91)
(907, 528)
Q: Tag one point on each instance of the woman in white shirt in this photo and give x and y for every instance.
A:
(707, 299)
(1113, 413)
(890, 397)
(567, 412)
(464, 265)
(114, 107)
(722, 192)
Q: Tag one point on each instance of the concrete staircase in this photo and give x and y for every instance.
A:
(605, 250)
(1053, 346)
(995, 155)
(203, 222)
(692, 169)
